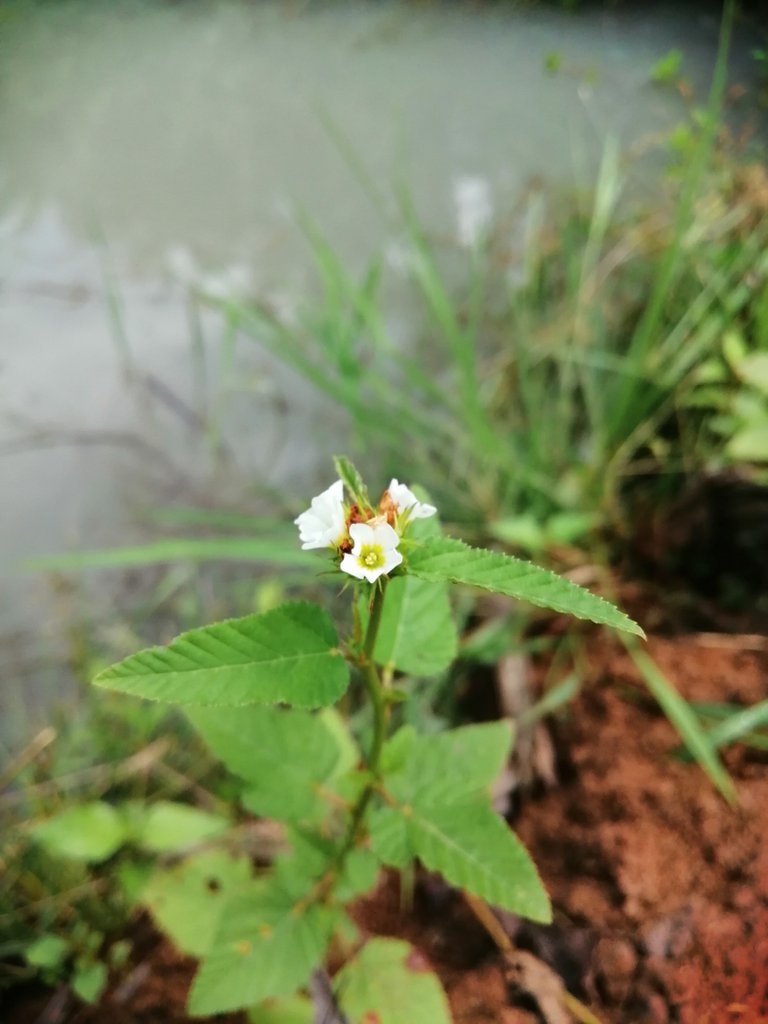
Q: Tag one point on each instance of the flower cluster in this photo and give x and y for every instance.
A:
(367, 539)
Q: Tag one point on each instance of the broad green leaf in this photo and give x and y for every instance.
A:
(287, 655)
(266, 946)
(309, 857)
(89, 832)
(49, 951)
(132, 877)
(359, 874)
(417, 634)
(291, 1010)
(683, 718)
(469, 844)
(438, 809)
(389, 982)
(89, 981)
(352, 480)
(283, 755)
(167, 826)
(457, 762)
(445, 558)
(186, 901)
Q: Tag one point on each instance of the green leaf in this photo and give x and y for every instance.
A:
(89, 981)
(266, 946)
(438, 809)
(359, 874)
(523, 531)
(292, 1010)
(187, 900)
(89, 832)
(171, 826)
(754, 370)
(667, 68)
(750, 443)
(286, 655)
(454, 763)
(389, 982)
(132, 877)
(683, 718)
(49, 951)
(469, 844)
(284, 755)
(417, 634)
(445, 558)
(309, 856)
(352, 481)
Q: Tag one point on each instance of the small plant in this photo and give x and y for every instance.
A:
(260, 689)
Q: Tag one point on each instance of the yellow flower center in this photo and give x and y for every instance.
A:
(371, 556)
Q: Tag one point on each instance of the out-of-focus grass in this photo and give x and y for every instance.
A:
(563, 356)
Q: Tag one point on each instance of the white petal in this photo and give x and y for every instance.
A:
(391, 560)
(323, 523)
(331, 498)
(362, 533)
(384, 534)
(406, 501)
(422, 511)
(350, 564)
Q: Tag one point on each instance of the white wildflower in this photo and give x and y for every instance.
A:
(405, 500)
(374, 553)
(323, 525)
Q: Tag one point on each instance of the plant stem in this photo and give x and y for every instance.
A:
(375, 688)
(373, 682)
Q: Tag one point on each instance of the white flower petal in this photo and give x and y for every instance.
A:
(392, 560)
(362, 533)
(386, 536)
(380, 535)
(406, 501)
(350, 564)
(323, 524)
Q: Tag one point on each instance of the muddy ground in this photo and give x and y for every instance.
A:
(660, 889)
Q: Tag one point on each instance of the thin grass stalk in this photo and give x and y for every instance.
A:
(648, 326)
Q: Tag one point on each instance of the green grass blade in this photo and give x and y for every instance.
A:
(736, 724)
(232, 549)
(553, 700)
(684, 720)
